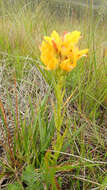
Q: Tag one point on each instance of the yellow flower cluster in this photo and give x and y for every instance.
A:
(61, 52)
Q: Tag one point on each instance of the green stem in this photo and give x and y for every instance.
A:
(59, 90)
(58, 117)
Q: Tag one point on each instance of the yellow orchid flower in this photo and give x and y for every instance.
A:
(67, 65)
(61, 52)
(54, 40)
(72, 37)
(82, 53)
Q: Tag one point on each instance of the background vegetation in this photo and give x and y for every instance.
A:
(26, 98)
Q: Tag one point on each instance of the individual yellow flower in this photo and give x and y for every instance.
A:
(48, 56)
(77, 54)
(67, 65)
(72, 38)
(54, 39)
(82, 53)
(69, 42)
(61, 52)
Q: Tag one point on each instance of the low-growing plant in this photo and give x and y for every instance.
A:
(59, 140)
